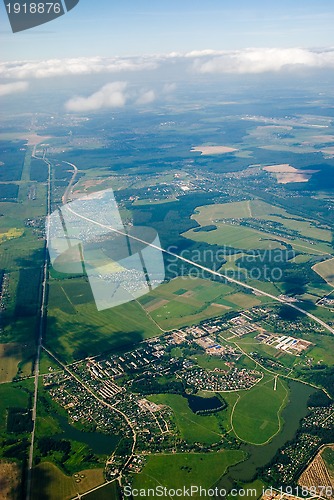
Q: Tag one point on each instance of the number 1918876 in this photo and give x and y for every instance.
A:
(34, 8)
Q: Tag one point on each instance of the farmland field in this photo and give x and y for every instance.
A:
(320, 473)
(189, 469)
(328, 457)
(52, 484)
(9, 479)
(210, 363)
(256, 417)
(108, 492)
(11, 395)
(326, 270)
(11, 355)
(186, 301)
(243, 300)
(193, 428)
(90, 331)
(10, 234)
(278, 228)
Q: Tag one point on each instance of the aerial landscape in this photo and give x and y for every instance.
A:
(167, 253)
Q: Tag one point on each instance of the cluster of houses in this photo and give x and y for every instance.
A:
(221, 381)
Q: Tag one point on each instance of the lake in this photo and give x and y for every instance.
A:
(259, 456)
(101, 444)
(198, 404)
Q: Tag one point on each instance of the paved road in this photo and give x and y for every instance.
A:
(69, 187)
(208, 270)
(39, 341)
(101, 401)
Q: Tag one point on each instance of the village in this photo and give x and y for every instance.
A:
(110, 393)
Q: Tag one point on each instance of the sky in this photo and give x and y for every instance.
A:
(133, 27)
(156, 43)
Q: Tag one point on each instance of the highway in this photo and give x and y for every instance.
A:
(69, 187)
(44, 304)
(40, 339)
(207, 270)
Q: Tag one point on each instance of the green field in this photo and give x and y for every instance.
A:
(247, 238)
(244, 300)
(174, 471)
(21, 257)
(50, 483)
(47, 364)
(11, 396)
(11, 356)
(187, 301)
(301, 259)
(193, 428)
(77, 329)
(326, 270)
(108, 492)
(322, 352)
(257, 414)
(250, 488)
(210, 362)
(177, 315)
(328, 457)
(242, 238)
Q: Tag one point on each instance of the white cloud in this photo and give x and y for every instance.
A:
(77, 66)
(262, 60)
(12, 88)
(116, 95)
(203, 53)
(112, 95)
(146, 97)
(168, 88)
(202, 61)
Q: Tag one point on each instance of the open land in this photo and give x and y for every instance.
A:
(257, 414)
(286, 173)
(318, 477)
(9, 480)
(262, 230)
(52, 484)
(326, 270)
(169, 470)
(140, 362)
(213, 150)
(11, 354)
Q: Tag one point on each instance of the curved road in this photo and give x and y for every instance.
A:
(69, 187)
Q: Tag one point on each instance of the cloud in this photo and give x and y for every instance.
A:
(201, 61)
(117, 95)
(76, 66)
(168, 88)
(261, 60)
(12, 88)
(111, 95)
(203, 53)
(146, 97)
